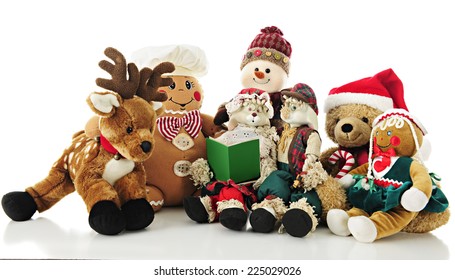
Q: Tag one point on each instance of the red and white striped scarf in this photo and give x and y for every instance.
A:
(169, 126)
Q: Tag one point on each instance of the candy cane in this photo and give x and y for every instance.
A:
(340, 154)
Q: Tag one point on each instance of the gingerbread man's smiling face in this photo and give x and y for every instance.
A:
(185, 94)
(396, 134)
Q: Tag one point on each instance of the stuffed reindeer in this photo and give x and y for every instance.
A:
(107, 172)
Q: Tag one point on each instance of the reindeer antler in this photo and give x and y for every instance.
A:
(151, 80)
(121, 83)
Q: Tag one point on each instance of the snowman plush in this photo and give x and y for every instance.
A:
(264, 66)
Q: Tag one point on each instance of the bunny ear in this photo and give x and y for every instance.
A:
(104, 104)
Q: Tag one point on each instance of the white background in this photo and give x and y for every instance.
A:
(49, 52)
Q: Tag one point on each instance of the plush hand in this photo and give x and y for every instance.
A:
(414, 200)
(309, 161)
(346, 181)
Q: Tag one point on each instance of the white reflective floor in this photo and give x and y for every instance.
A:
(64, 233)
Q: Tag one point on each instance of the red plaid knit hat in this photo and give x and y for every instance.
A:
(269, 45)
(304, 93)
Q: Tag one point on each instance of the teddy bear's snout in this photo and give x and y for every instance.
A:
(347, 127)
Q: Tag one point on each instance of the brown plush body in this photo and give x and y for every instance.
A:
(164, 186)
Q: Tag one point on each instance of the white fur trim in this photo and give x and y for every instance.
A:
(363, 229)
(275, 206)
(376, 101)
(414, 200)
(231, 203)
(337, 221)
(207, 202)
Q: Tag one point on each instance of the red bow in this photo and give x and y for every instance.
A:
(385, 157)
(169, 126)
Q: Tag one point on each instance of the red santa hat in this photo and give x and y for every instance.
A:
(383, 91)
(252, 94)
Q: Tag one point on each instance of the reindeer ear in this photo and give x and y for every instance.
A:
(104, 103)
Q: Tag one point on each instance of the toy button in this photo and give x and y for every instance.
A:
(182, 168)
(183, 142)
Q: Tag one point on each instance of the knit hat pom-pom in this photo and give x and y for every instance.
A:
(272, 29)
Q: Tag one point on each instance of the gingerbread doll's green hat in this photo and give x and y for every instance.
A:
(382, 91)
(271, 46)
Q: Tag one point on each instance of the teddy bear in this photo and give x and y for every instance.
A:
(181, 127)
(298, 149)
(108, 173)
(265, 66)
(393, 187)
(228, 202)
(350, 110)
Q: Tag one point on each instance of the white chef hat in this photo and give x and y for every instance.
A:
(188, 60)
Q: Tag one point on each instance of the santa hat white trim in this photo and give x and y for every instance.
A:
(376, 101)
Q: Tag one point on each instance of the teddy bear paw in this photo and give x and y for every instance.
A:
(19, 206)
(337, 221)
(262, 220)
(414, 200)
(362, 228)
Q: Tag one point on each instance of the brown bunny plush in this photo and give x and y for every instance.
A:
(107, 172)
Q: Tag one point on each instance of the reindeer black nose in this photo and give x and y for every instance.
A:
(346, 128)
(146, 146)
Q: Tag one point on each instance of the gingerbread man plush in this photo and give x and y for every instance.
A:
(181, 129)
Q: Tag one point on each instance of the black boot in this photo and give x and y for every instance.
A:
(106, 218)
(233, 218)
(195, 209)
(139, 214)
(19, 206)
(297, 222)
(262, 220)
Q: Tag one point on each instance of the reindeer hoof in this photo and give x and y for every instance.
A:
(297, 222)
(139, 214)
(106, 218)
(233, 218)
(19, 206)
(262, 220)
